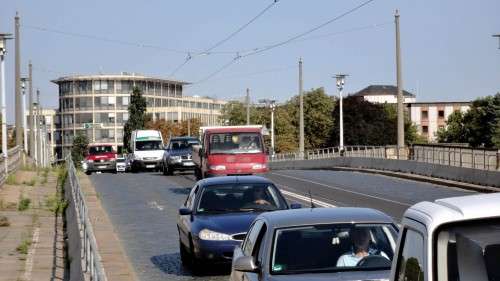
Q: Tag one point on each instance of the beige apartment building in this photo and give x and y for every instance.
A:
(429, 117)
(97, 105)
(47, 119)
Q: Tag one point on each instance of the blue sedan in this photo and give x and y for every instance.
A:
(218, 213)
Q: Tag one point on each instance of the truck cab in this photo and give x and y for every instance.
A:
(230, 150)
(99, 158)
(455, 238)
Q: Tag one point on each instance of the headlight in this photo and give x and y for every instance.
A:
(207, 234)
(217, 167)
(137, 157)
(175, 158)
(90, 161)
(258, 166)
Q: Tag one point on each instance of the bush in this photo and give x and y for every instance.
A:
(24, 246)
(4, 221)
(11, 179)
(24, 204)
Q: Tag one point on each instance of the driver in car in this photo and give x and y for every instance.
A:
(360, 237)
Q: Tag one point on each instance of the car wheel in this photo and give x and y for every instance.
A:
(197, 174)
(164, 169)
(88, 173)
(185, 257)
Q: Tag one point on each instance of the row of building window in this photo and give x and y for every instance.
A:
(101, 135)
(112, 86)
(425, 114)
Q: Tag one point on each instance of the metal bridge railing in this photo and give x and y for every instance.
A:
(13, 163)
(91, 260)
(485, 159)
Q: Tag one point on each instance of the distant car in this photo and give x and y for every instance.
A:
(317, 244)
(217, 214)
(121, 165)
(178, 155)
(99, 158)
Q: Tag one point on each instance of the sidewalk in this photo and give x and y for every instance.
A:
(31, 240)
(115, 262)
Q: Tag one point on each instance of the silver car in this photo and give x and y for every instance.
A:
(317, 244)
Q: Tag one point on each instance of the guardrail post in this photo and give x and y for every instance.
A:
(473, 159)
(498, 160)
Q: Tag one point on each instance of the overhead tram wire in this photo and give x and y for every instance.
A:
(287, 41)
(227, 38)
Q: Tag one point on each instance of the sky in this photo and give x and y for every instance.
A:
(448, 52)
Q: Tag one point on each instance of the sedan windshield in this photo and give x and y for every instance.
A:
(330, 248)
(235, 143)
(240, 198)
(182, 143)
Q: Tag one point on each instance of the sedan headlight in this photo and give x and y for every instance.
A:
(175, 158)
(207, 234)
(258, 166)
(217, 167)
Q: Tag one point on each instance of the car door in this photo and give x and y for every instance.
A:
(252, 246)
(184, 222)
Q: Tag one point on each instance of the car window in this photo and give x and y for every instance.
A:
(411, 264)
(190, 199)
(259, 245)
(332, 247)
(251, 238)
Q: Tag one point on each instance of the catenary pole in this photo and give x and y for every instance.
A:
(2, 93)
(400, 109)
(18, 110)
(30, 115)
(248, 106)
(301, 111)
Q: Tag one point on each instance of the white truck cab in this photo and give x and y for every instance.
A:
(146, 147)
(455, 238)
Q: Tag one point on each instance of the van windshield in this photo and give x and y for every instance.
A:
(235, 143)
(147, 145)
(93, 150)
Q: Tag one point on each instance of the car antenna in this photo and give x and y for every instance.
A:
(311, 199)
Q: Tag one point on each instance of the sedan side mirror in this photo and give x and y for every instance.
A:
(245, 264)
(184, 211)
(295, 206)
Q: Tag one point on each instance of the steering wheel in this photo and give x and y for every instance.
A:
(374, 261)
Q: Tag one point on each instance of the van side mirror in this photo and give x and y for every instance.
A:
(184, 211)
(245, 264)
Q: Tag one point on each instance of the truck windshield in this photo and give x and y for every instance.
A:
(235, 143)
(93, 150)
(332, 248)
(148, 145)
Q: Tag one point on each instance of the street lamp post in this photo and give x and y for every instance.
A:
(340, 86)
(272, 105)
(23, 112)
(3, 51)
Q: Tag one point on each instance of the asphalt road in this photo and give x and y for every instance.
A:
(143, 209)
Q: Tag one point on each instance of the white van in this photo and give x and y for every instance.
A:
(146, 150)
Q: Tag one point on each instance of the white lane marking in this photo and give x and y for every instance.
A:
(155, 205)
(307, 199)
(345, 190)
(31, 255)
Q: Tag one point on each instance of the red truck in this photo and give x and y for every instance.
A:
(230, 150)
(100, 158)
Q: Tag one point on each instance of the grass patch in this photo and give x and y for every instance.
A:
(11, 179)
(24, 246)
(4, 221)
(56, 204)
(31, 182)
(27, 168)
(24, 203)
(7, 206)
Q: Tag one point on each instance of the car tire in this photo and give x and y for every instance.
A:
(197, 174)
(185, 256)
(168, 171)
(88, 173)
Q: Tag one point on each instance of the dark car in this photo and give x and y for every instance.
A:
(177, 155)
(217, 214)
(317, 244)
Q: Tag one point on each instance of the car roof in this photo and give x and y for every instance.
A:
(233, 179)
(183, 138)
(454, 209)
(314, 216)
(234, 130)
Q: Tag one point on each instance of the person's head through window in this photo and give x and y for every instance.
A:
(360, 237)
(260, 196)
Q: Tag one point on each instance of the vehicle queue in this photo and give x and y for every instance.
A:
(233, 217)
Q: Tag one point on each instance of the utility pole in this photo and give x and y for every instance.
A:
(272, 105)
(19, 118)
(30, 115)
(301, 112)
(25, 128)
(340, 86)
(3, 51)
(248, 106)
(401, 125)
(38, 128)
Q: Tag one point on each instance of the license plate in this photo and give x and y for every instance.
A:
(188, 164)
(101, 167)
(150, 166)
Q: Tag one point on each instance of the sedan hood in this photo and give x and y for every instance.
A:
(230, 223)
(336, 276)
(177, 152)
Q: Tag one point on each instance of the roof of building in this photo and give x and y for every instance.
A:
(440, 103)
(121, 76)
(382, 90)
(314, 216)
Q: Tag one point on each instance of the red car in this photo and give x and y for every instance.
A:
(100, 158)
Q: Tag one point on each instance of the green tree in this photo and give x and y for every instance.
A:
(79, 148)
(137, 115)
(455, 129)
(318, 118)
(233, 113)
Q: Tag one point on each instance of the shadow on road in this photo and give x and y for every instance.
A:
(180, 190)
(171, 264)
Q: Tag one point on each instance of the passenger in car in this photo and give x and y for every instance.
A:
(360, 237)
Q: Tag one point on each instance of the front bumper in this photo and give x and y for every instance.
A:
(183, 165)
(100, 166)
(146, 164)
(215, 252)
(235, 172)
